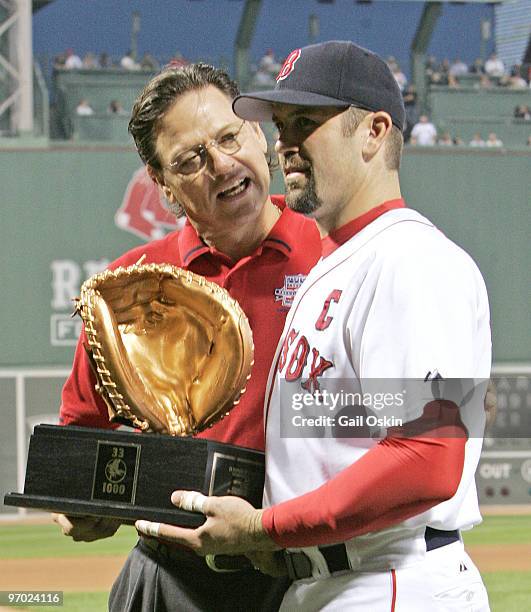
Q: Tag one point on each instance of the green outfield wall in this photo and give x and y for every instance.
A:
(472, 102)
(482, 201)
(59, 225)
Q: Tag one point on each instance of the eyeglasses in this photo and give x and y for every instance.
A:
(194, 160)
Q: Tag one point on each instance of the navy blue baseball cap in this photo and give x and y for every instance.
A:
(334, 73)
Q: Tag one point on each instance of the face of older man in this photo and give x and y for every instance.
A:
(214, 164)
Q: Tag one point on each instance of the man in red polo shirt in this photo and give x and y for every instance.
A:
(213, 167)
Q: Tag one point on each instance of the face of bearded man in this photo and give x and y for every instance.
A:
(319, 162)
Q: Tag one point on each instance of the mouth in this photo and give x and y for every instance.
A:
(296, 173)
(235, 190)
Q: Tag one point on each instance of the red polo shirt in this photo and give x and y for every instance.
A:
(263, 283)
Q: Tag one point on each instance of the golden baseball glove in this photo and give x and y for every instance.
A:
(172, 351)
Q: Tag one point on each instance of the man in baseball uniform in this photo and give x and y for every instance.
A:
(370, 499)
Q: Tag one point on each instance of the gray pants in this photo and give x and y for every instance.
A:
(152, 582)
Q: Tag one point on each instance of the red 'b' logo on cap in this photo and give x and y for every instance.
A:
(289, 64)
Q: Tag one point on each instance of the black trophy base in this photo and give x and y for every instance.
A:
(129, 476)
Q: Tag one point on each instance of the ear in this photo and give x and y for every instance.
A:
(379, 128)
(259, 134)
(157, 177)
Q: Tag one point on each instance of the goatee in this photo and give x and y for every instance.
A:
(305, 202)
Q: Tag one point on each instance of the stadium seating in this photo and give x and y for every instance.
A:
(472, 102)
(464, 112)
(99, 87)
(512, 132)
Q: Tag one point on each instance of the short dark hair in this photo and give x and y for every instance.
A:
(393, 147)
(161, 93)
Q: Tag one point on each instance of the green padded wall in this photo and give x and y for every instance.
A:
(482, 201)
(470, 102)
(58, 209)
(101, 128)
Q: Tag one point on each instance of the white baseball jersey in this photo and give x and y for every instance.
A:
(397, 301)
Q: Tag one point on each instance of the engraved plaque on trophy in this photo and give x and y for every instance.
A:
(86, 471)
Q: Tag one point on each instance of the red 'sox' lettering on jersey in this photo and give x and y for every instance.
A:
(288, 341)
(298, 360)
(288, 65)
(143, 211)
(324, 321)
(312, 384)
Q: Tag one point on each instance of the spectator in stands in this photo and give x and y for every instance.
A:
(431, 67)
(424, 132)
(116, 108)
(484, 82)
(90, 62)
(72, 61)
(59, 61)
(458, 68)
(128, 62)
(476, 141)
(438, 75)
(445, 140)
(522, 112)
(104, 60)
(444, 69)
(148, 62)
(494, 66)
(178, 60)
(391, 62)
(84, 109)
(458, 141)
(268, 63)
(400, 77)
(413, 141)
(493, 141)
(263, 78)
(452, 81)
(478, 66)
(410, 96)
(410, 104)
(515, 80)
(529, 140)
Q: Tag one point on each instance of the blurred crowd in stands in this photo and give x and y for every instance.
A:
(457, 74)
(84, 109)
(424, 134)
(69, 60)
(492, 73)
(420, 132)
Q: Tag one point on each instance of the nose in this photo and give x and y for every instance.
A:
(218, 163)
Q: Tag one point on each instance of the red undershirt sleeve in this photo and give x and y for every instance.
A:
(411, 470)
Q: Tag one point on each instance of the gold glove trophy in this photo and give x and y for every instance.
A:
(172, 353)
